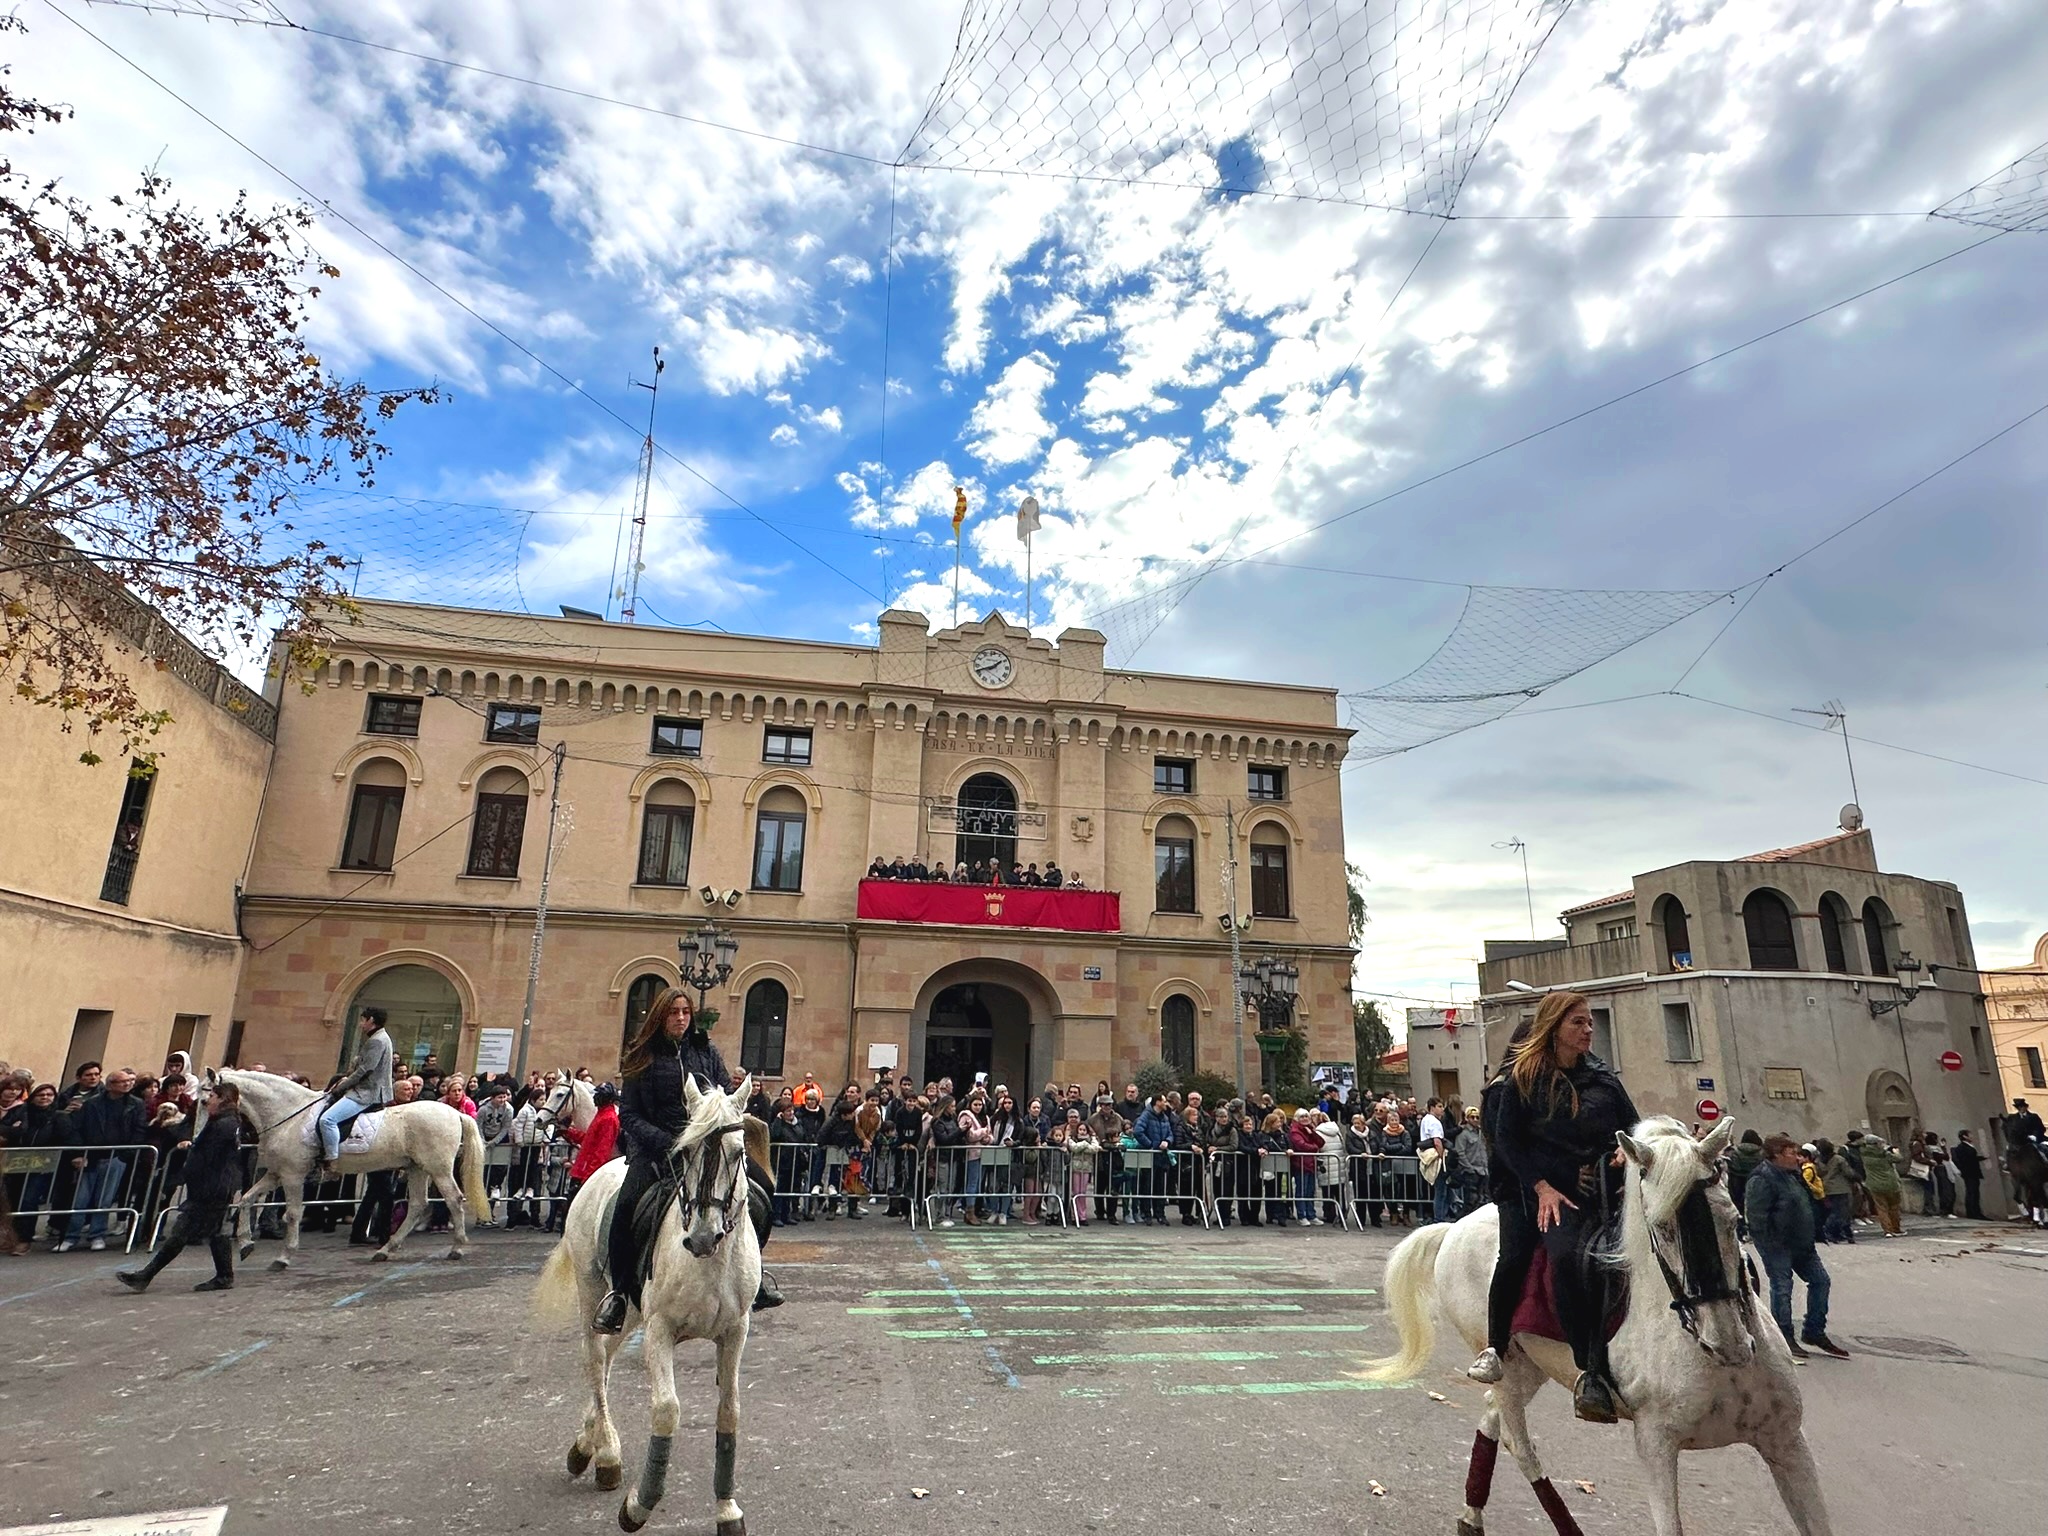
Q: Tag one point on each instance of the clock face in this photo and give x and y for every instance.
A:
(992, 667)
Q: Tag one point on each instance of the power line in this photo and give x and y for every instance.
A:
(462, 304)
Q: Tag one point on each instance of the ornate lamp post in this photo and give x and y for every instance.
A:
(1270, 985)
(707, 959)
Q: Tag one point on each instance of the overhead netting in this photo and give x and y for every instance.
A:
(2014, 200)
(1509, 644)
(1382, 103)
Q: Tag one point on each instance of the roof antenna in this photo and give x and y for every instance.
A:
(1835, 715)
(636, 555)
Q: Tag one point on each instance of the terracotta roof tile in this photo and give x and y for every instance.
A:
(1786, 855)
(1604, 901)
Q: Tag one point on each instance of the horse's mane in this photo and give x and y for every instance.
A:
(714, 1112)
(1674, 1170)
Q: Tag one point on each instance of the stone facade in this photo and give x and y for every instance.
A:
(1446, 1055)
(893, 734)
(117, 895)
(1750, 983)
(2016, 999)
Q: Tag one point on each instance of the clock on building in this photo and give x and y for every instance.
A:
(992, 667)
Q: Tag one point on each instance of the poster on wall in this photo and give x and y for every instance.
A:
(1341, 1076)
(494, 1050)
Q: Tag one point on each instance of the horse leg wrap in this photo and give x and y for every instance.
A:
(1553, 1506)
(721, 1466)
(1479, 1476)
(653, 1478)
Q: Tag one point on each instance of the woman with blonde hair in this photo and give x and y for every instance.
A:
(1556, 1111)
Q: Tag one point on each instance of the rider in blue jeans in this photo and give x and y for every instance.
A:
(1779, 1209)
(367, 1086)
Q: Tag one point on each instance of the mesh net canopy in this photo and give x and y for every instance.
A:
(2014, 200)
(1509, 644)
(1382, 103)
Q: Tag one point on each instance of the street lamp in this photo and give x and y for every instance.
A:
(707, 958)
(1269, 984)
(1909, 985)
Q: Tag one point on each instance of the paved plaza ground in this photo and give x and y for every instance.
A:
(1126, 1380)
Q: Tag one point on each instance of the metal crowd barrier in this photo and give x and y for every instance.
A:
(1393, 1182)
(118, 1201)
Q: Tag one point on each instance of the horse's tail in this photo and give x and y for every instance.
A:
(469, 1168)
(1411, 1298)
(555, 1297)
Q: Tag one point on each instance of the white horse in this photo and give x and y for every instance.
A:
(706, 1269)
(1697, 1364)
(430, 1140)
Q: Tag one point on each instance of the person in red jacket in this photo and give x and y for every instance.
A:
(596, 1144)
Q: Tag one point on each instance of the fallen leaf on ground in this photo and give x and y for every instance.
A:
(1438, 1397)
(1377, 1491)
(920, 1493)
(1586, 1487)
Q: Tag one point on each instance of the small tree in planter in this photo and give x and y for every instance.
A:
(1155, 1076)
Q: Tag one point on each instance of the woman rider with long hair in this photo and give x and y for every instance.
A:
(1556, 1108)
(652, 1114)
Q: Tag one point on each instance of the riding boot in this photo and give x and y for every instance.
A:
(1593, 1399)
(611, 1314)
(222, 1248)
(137, 1280)
(769, 1295)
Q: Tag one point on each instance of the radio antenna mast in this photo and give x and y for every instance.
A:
(636, 555)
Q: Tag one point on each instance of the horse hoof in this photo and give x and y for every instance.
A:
(732, 1528)
(1467, 1528)
(380, 1257)
(626, 1520)
(244, 1252)
(456, 1255)
(278, 1264)
(610, 1477)
(579, 1461)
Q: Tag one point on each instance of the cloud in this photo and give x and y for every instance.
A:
(1009, 422)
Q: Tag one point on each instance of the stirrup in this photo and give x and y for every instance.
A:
(611, 1314)
(1487, 1368)
(1593, 1399)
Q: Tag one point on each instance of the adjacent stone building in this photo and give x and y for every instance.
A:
(753, 780)
(1446, 1055)
(1801, 989)
(2017, 1000)
(118, 939)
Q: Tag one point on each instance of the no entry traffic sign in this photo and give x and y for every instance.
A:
(1707, 1110)
(1951, 1061)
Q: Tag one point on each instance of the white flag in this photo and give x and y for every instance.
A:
(1027, 519)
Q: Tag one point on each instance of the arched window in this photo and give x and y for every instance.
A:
(423, 1016)
(1677, 936)
(1767, 924)
(1834, 930)
(499, 826)
(1173, 865)
(986, 819)
(639, 998)
(1177, 1034)
(763, 1028)
(1270, 894)
(779, 841)
(665, 830)
(1877, 943)
(375, 804)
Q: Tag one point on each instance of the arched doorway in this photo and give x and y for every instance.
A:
(1893, 1107)
(987, 1016)
(987, 819)
(424, 1015)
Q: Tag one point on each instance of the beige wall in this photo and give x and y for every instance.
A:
(172, 949)
(896, 729)
(2017, 1002)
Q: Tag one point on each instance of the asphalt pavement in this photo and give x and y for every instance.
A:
(1126, 1380)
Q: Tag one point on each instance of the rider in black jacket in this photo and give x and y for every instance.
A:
(1553, 1115)
(652, 1114)
(213, 1177)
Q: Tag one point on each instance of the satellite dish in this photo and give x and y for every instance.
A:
(1852, 817)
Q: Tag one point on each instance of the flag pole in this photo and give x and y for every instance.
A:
(1027, 583)
(956, 576)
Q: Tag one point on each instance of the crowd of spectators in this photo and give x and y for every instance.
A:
(980, 872)
(1863, 1182)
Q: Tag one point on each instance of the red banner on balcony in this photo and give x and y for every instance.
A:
(996, 906)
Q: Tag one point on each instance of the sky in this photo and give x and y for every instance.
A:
(1213, 360)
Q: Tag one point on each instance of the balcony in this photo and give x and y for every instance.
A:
(1562, 964)
(989, 906)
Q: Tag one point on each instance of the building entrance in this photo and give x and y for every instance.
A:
(979, 1030)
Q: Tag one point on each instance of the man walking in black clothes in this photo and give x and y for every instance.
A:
(213, 1177)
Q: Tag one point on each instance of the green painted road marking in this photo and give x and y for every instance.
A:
(1154, 1330)
(1108, 1306)
(1137, 1290)
(1279, 1388)
(1087, 1391)
(1183, 1357)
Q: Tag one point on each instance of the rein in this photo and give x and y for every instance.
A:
(706, 1197)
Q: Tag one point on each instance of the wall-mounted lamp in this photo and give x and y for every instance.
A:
(1909, 983)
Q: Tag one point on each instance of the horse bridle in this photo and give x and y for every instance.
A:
(1686, 1300)
(706, 1197)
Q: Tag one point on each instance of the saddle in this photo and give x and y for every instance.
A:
(646, 1217)
(1536, 1312)
(358, 1132)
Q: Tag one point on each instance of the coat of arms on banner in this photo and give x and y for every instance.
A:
(994, 903)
